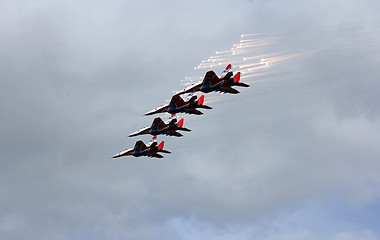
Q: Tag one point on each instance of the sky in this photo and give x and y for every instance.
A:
(295, 156)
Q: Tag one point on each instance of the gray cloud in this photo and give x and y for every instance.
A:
(76, 79)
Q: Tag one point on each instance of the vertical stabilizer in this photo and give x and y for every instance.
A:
(225, 71)
(161, 145)
(171, 118)
(201, 100)
(237, 77)
(154, 139)
(190, 95)
(180, 123)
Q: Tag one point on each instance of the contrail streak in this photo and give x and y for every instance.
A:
(254, 75)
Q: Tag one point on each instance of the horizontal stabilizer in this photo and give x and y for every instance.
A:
(197, 112)
(185, 129)
(155, 155)
(241, 84)
(165, 151)
(174, 133)
(205, 107)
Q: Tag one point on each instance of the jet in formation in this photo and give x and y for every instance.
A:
(160, 127)
(140, 149)
(212, 83)
(178, 105)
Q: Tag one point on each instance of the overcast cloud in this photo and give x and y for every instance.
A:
(295, 156)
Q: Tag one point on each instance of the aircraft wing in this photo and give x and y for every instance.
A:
(140, 132)
(190, 89)
(124, 153)
(163, 108)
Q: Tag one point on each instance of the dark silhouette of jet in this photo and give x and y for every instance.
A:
(160, 127)
(140, 149)
(212, 83)
(178, 105)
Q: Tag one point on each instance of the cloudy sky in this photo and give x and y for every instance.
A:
(296, 156)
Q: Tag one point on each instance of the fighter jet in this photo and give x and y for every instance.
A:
(160, 127)
(178, 105)
(212, 83)
(140, 149)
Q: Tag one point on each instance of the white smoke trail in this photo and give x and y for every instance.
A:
(254, 57)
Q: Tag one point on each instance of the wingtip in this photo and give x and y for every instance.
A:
(133, 135)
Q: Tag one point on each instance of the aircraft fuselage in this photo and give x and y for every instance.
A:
(138, 152)
(207, 87)
(156, 131)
